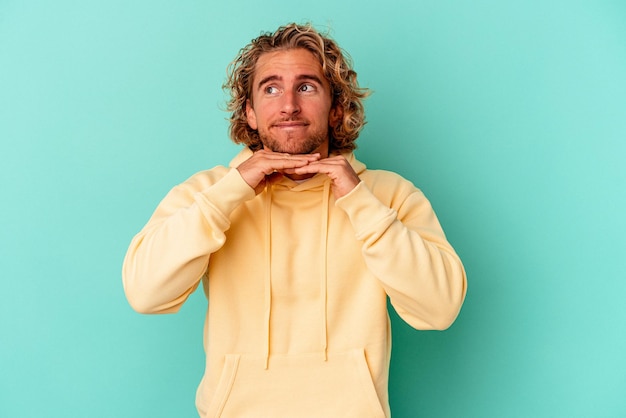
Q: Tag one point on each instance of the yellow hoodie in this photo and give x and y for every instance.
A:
(297, 283)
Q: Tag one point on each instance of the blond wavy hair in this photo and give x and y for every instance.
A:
(336, 65)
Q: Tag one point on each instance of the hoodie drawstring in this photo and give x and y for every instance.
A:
(267, 307)
(324, 267)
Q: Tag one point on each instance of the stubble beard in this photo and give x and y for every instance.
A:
(293, 145)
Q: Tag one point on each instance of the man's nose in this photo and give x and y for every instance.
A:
(290, 105)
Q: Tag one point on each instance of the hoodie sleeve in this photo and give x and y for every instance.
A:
(406, 249)
(166, 260)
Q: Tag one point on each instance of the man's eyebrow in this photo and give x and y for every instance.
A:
(268, 79)
(311, 77)
(302, 77)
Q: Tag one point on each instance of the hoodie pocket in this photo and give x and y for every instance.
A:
(296, 386)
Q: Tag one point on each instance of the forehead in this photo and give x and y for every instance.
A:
(288, 63)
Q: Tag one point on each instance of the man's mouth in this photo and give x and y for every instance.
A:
(292, 124)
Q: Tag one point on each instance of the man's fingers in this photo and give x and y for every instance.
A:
(264, 163)
(341, 173)
(269, 161)
(326, 165)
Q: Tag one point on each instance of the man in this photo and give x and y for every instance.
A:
(297, 246)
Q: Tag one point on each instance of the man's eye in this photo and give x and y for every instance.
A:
(271, 90)
(307, 88)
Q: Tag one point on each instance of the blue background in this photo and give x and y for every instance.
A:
(510, 115)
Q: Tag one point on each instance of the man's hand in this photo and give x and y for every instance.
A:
(266, 166)
(343, 176)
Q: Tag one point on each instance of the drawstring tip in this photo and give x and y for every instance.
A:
(267, 362)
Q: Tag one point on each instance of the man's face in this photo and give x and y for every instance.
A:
(291, 104)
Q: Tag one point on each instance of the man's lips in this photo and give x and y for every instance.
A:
(290, 124)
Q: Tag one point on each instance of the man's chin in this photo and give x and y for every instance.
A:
(295, 149)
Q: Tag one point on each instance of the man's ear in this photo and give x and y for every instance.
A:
(335, 116)
(251, 116)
